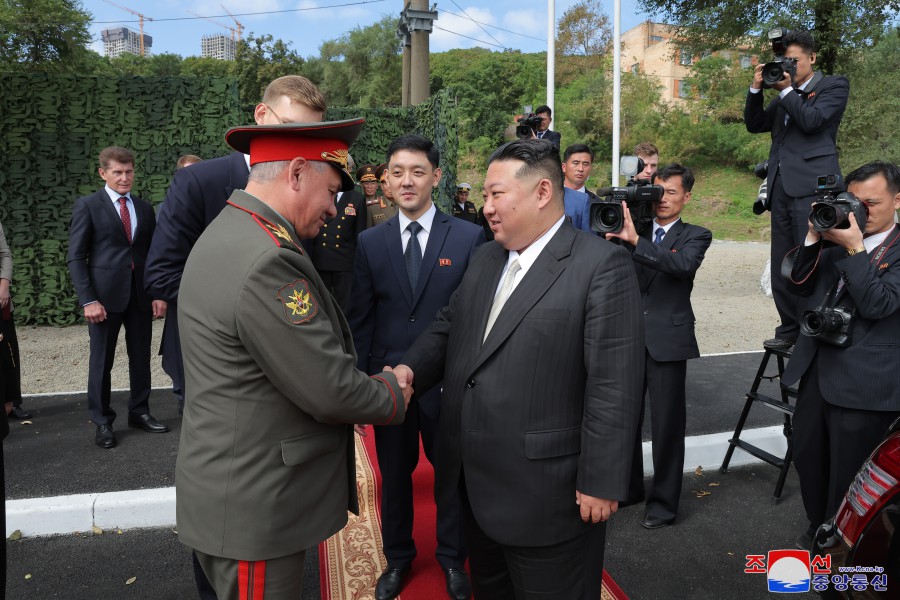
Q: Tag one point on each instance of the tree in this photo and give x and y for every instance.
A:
(584, 29)
(43, 35)
(839, 27)
(196, 66)
(261, 59)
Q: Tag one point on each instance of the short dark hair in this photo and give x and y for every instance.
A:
(577, 149)
(801, 38)
(687, 176)
(541, 157)
(415, 143)
(116, 153)
(879, 167)
(543, 108)
(646, 149)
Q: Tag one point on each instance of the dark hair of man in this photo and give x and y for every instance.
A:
(543, 108)
(687, 176)
(801, 38)
(646, 149)
(541, 159)
(890, 171)
(577, 149)
(116, 153)
(415, 143)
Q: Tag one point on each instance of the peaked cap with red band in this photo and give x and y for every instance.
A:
(328, 141)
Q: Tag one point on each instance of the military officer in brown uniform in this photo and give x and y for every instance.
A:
(462, 208)
(265, 466)
(382, 208)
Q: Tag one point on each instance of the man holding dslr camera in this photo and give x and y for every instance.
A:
(803, 120)
(846, 358)
(666, 258)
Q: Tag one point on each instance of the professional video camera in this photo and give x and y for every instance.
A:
(829, 212)
(828, 324)
(528, 124)
(773, 72)
(607, 214)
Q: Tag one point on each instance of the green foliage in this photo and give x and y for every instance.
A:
(584, 30)
(51, 141)
(47, 36)
(261, 59)
(361, 68)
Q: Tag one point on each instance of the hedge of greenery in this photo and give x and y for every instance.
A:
(52, 128)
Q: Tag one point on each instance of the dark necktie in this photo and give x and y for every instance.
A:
(413, 254)
(660, 232)
(126, 217)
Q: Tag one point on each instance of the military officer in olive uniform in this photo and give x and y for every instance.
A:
(462, 208)
(382, 208)
(334, 249)
(265, 465)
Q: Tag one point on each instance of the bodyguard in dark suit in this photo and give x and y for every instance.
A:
(334, 249)
(406, 271)
(666, 259)
(849, 393)
(803, 120)
(461, 207)
(197, 195)
(543, 132)
(109, 237)
(540, 354)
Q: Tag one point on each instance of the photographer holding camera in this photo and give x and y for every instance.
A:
(666, 258)
(803, 121)
(846, 358)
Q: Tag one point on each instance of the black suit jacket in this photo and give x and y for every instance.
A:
(469, 213)
(100, 258)
(195, 197)
(385, 315)
(864, 374)
(335, 246)
(805, 148)
(549, 403)
(552, 136)
(666, 277)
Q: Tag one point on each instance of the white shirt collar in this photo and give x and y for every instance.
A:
(114, 195)
(425, 220)
(531, 253)
(666, 228)
(873, 241)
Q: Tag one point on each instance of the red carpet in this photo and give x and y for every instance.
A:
(351, 561)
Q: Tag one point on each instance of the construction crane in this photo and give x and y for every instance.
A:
(240, 26)
(213, 21)
(140, 21)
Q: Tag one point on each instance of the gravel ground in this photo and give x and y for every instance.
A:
(732, 316)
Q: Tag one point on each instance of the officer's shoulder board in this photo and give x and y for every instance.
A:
(276, 231)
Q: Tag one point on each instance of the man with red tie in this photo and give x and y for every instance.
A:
(109, 237)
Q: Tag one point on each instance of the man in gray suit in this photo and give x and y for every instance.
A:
(541, 355)
(266, 464)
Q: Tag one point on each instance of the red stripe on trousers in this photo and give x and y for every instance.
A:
(252, 584)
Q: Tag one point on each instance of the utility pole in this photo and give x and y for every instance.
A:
(403, 36)
(417, 21)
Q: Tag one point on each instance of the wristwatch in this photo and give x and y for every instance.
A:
(852, 251)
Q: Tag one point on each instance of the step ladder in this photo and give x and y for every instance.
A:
(782, 405)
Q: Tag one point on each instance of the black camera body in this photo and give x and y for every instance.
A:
(828, 324)
(528, 126)
(774, 71)
(607, 214)
(830, 212)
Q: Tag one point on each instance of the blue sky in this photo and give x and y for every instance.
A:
(308, 23)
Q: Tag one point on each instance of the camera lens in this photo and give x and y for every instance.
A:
(772, 73)
(812, 323)
(823, 217)
(610, 216)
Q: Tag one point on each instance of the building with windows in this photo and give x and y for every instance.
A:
(652, 49)
(218, 46)
(119, 40)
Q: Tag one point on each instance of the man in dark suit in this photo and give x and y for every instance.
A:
(543, 132)
(197, 195)
(578, 160)
(334, 249)
(405, 273)
(849, 393)
(109, 237)
(666, 258)
(462, 208)
(803, 120)
(541, 393)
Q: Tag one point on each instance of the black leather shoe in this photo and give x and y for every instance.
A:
(147, 423)
(19, 413)
(390, 582)
(458, 587)
(105, 437)
(651, 522)
(779, 344)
